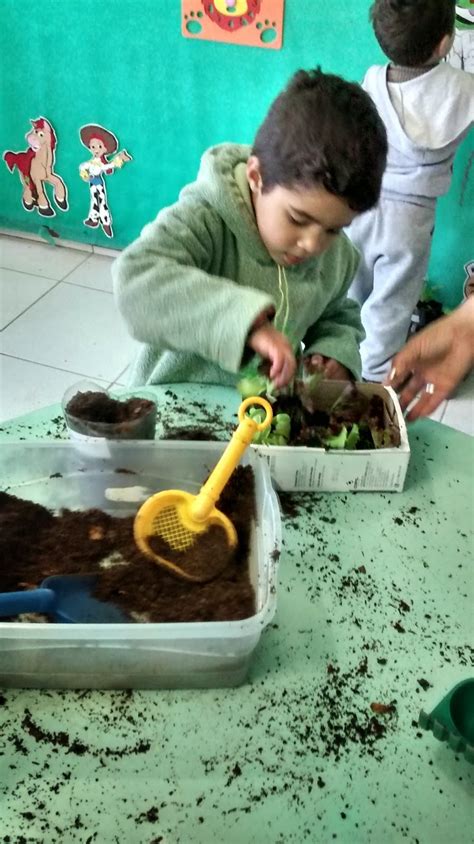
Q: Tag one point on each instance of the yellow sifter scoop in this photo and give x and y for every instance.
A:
(170, 523)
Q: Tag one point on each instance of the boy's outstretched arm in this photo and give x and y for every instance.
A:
(168, 297)
(337, 335)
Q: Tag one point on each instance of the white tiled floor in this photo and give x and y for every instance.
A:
(58, 324)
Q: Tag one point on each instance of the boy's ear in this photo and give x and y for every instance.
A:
(444, 46)
(254, 177)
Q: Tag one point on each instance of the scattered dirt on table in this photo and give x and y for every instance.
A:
(75, 746)
(208, 423)
(343, 721)
(382, 708)
(35, 544)
(288, 504)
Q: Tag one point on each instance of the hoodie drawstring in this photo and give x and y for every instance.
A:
(284, 306)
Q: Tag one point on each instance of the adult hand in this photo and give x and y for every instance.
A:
(273, 346)
(434, 361)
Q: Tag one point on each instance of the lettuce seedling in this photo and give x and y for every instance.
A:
(281, 425)
(255, 383)
(279, 431)
(337, 440)
(276, 439)
(352, 437)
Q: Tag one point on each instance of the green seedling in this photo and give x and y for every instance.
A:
(279, 432)
(352, 438)
(337, 440)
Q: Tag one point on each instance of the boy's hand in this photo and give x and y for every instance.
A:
(273, 346)
(330, 368)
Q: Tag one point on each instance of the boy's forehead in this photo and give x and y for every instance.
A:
(317, 203)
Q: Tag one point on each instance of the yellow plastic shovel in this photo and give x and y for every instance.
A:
(180, 518)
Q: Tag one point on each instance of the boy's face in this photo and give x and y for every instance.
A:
(296, 224)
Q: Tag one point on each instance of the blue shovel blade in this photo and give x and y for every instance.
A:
(68, 598)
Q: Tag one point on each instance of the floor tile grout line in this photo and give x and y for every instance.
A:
(118, 377)
(87, 256)
(59, 280)
(113, 254)
(87, 287)
(34, 275)
(30, 305)
(54, 368)
(56, 283)
(122, 372)
(61, 243)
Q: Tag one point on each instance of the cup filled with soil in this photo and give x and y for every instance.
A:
(91, 412)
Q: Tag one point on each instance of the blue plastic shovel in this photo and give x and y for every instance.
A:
(68, 598)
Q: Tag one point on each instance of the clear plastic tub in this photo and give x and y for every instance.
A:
(140, 656)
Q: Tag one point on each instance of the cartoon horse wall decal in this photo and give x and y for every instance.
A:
(36, 166)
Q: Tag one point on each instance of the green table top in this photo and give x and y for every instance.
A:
(374, 606)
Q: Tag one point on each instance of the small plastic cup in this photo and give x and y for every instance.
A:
(84, 403)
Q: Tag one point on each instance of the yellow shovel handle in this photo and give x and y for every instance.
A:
(209, 493)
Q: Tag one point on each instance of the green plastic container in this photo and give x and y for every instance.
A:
(452, 720)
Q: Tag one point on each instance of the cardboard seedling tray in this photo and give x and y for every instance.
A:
(301, 468)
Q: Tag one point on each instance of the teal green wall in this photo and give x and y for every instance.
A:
(126, 66)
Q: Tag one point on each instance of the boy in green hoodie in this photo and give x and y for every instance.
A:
(252, 258)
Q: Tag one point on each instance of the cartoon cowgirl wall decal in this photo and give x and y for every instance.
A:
(102, 143)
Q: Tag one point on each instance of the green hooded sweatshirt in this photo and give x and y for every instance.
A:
(191, 286)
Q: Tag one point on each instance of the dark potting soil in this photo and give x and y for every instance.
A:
(311, 428)
(209, 554)
(97, 414)
(35, 544)
(206, 434)
(308, 428)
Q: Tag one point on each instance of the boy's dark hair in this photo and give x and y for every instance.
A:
(324, 131)
(409, 31)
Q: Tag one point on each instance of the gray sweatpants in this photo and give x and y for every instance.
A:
(394, 239)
